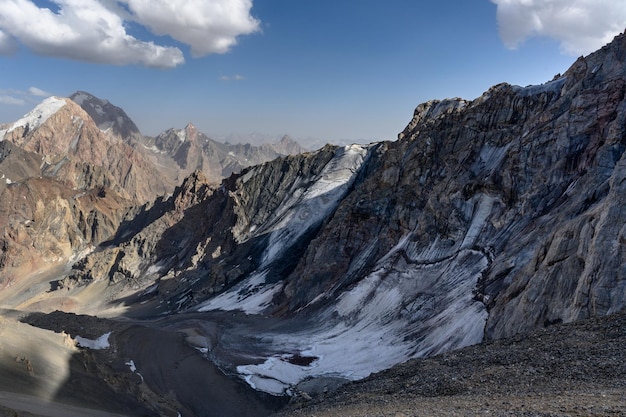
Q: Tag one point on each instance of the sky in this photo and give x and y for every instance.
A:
(319, 70)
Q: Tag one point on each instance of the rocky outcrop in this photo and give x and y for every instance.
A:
(42, 224)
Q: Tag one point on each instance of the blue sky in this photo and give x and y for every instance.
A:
(329, 70)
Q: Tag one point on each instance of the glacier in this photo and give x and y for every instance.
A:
(416, 302)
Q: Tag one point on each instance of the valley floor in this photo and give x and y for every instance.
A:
(576, 369)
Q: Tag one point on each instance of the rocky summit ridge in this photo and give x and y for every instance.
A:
(486, 219)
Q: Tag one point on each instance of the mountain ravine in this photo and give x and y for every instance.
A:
(485, 220)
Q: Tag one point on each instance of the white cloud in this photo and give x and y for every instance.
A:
(34, 91)
(6, 99)
(95, 30)
(7, 44)
(22, 97)
(207, 26)
(581, 26)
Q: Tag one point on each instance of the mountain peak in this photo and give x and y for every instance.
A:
(38, 116)
(108, 117)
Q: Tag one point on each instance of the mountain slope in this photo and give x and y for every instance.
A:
(486, 219)
(66, 187)
(189, 149)
(179, 152)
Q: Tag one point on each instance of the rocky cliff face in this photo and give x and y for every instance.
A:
(485, 219)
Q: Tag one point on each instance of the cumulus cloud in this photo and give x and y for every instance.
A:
(581, 26)
(95, 30)
(206, 26)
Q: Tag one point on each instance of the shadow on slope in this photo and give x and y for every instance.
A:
(148, 370)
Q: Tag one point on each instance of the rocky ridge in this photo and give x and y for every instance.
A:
(108, 117)
(188, 150)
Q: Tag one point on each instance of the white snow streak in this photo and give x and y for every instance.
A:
(308, 203)
(182, 135)
(251, 296)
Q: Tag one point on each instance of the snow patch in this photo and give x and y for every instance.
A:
(133, 368)
(418, 301)
(400, 311)
(306, 205)
(482, 210)
(251, 296)
(553, 86)
(39, 114)
(310, 201)
(98, 344)
(182, 135)
(80, 98)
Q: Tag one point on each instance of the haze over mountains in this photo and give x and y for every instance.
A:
(486, 219)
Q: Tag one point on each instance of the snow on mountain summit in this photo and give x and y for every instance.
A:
(38, 115)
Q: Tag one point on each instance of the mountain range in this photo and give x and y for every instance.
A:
(297, 274)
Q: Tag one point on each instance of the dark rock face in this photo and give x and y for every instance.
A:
(531, 177)
(108, 118)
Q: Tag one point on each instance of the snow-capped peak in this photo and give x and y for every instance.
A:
(39, 114)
